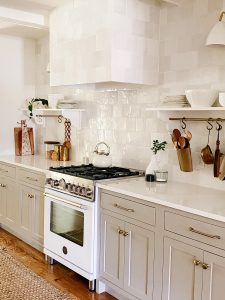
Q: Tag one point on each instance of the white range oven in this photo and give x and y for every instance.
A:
(71, 221)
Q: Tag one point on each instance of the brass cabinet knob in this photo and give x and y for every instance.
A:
(196, 262)
(205, 266)
(125, 233)
(120, 231)
(30, 196)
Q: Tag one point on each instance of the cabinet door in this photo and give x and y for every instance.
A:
(2, 200)
(11, 203)
(37, 216)
(25, 208)
(139, 261)
(213, 277)
(182, 279)
(112, 250)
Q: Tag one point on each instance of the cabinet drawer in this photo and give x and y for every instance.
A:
(7, 170)
(196, 230)
(128, 208)
(31, 178)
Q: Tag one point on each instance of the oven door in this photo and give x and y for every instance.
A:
(69, 229)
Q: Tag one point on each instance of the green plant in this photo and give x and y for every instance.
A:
(32, 101)
(157, 146)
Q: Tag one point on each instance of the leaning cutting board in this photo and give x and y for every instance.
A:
(18, 140)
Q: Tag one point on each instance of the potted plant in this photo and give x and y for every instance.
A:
(154, 164)
(36, 103)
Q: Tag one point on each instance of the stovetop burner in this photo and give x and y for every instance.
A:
(95, 173)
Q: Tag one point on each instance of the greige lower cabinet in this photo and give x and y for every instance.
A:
(182, 279)
(8, 203)
(22, 203)
(213, 277)
(191, 273)
(154, 252)
(127, 256)
(31, 213)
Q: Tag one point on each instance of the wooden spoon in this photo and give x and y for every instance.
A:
(182, 142)
(176, 133)
(189, 135)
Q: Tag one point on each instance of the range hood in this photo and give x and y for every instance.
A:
(104, 41)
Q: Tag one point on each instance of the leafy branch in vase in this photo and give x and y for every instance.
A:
(157, 146)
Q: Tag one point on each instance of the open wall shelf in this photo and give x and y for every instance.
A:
(171, 109)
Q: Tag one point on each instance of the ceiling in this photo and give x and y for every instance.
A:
(33, 5)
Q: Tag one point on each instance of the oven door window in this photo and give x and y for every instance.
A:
(67, 222)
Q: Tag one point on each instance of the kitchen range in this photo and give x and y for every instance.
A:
(71, 230)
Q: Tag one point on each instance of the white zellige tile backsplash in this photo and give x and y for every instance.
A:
(120, 117)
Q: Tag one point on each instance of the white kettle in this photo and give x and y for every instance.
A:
(102, 158)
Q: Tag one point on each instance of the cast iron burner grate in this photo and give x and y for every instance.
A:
(95, 173)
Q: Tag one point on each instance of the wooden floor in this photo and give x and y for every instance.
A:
(58, 275)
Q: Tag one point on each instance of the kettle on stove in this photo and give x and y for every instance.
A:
(102, 158)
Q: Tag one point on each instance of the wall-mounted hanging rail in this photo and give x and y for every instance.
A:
(60, 117)
(198, 119)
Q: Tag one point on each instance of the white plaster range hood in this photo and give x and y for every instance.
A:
(104, 41)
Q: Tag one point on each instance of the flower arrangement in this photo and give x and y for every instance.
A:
(36, 103)
(157, 146)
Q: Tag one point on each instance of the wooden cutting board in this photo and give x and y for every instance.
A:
(18, 140)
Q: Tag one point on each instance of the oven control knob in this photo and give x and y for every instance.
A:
(62, 183)
(82, 191)
(68, 187)
(64, 249)
(55, 183)
(48, 180)
(89, 192)
(73, 188)
(77, 189)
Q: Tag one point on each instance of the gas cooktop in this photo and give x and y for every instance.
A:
(80, 180)
(94, 173)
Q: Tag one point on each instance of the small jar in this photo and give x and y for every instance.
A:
(49, 148)
(161, 176)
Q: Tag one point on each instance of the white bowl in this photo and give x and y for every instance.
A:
(201, 98)
(222, 99)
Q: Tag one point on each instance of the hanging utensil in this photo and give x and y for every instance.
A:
(183, 142)
(206, 152)
(217, 152)
(176, 134)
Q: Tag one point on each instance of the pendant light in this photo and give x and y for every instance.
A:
(217, 33)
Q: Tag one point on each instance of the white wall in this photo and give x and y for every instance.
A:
(120, 118)
(17, 82)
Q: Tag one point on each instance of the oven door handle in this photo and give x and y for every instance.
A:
(65, 201)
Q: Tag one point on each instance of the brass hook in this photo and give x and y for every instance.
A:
(220, 126)
(211, 125)
(60, 119)
(183, 124)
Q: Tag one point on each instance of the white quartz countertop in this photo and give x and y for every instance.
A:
(195, 199)
(33, 162)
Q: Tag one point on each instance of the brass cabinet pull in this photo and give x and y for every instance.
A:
(3, 185)
(205, 234)
(125, 233)
(32, 179)
(123, 208)
(196, 262)
(120, 231)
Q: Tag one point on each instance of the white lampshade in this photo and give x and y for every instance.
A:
(217, 34)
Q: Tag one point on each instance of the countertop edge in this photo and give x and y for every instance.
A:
(163, 203)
